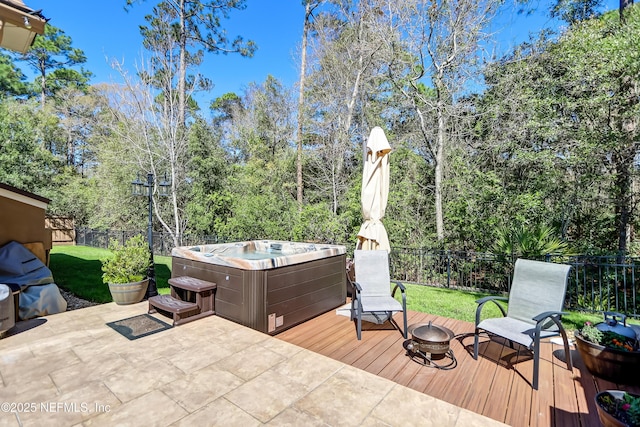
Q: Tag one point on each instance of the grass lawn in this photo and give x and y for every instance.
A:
(77, 269)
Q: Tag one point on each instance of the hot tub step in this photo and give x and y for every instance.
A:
(191, 284)
(184, 290)
(182, 311)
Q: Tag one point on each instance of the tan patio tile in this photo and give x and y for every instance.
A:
(245, 335)
(33, 388)
(112, 311)
(131, 382)
(221, 413)
(281, 347)
(67, 378)
(189, 360)
(60, 342)
(201, 387)
(294, 417)
(71, 408)
(76, 322)
(15, 370)
(403, 405)
(137, 352)
(13, 357)
(250, 362)
(346, 398)
(152, 409)
(267, 395)
(308, 368)
(372, 421)
(29, 332)
(103, 341)
(9, 419)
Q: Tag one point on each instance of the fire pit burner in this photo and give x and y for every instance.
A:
(430, 342)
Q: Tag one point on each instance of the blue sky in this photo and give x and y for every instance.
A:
(105, 31)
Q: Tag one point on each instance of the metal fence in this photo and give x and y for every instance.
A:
(597, 283)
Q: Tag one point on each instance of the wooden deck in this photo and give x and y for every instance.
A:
(497, 385)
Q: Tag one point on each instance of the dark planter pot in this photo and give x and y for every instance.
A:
(607, 419)
(613, 365)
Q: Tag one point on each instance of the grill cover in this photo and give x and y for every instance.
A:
(7, 310)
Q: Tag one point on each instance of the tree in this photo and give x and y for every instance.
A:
(437, 54)
(209, 195)
(81, 115)
(345, 92)
(51, 56)
(25, 135)
(573, 11)
(260, 186)
(560, 120)
(185, 24)
(309, 7)
(11, 78)
(599, 63)
(148, 137)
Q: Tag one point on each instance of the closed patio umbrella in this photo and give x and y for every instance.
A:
(375, 192)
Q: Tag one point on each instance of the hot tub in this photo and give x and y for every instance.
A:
(268, 285)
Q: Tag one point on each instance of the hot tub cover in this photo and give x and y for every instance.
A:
(39, 296)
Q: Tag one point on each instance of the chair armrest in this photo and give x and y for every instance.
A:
(553, 315)
(357, 286)
(491, 298)
(398, 285)
(548, 314)
(482, 301)
(404, 296)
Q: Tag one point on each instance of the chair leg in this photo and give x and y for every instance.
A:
(567, 351)
(359, 319)
(475, 344)
(404, 314)
(536, 360)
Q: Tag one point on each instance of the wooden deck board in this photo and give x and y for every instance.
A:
(497, 385)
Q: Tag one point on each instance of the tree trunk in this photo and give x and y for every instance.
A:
(303, 67)
(624, 4)
(43, 83)
(624, 163)
(439, 167)
(182, 77)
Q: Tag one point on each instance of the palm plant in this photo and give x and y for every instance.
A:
(528, 242)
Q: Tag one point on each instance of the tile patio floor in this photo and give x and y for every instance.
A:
(70, 369)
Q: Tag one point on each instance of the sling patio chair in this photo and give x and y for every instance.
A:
(534, 309)
(373, 300)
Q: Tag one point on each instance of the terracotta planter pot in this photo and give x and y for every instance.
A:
(607, 419)
(128, 293)
(613, 365)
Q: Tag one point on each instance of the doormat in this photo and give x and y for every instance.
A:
(138, 326)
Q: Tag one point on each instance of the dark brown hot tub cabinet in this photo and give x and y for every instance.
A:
(272, 300)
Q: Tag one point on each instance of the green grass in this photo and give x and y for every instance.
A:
(77, 270)
(461, 305)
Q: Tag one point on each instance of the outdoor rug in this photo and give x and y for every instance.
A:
(139, 326)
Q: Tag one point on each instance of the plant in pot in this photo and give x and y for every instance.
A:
(610, 349)
(617, 408)
(125, 270)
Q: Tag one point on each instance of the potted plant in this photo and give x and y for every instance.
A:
(617, 408)
(610, 351)
(125, 270)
